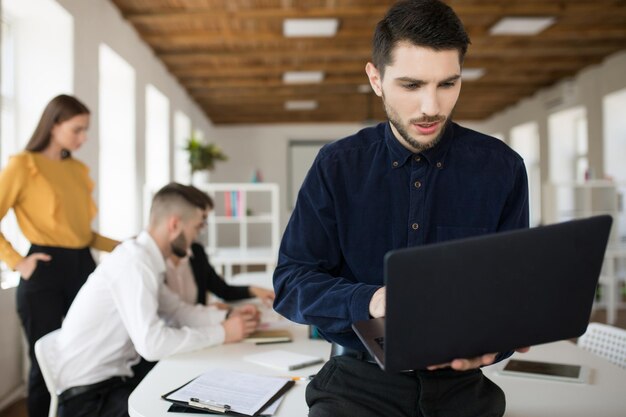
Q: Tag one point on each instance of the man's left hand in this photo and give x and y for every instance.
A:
(472, 363)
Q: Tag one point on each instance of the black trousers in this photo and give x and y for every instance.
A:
(348, 387)
(108, 401)
(43, 301)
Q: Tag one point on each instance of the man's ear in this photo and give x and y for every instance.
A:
(375, 80)
(173, 224)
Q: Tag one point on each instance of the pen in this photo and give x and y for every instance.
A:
(301, 378)
(209, 405)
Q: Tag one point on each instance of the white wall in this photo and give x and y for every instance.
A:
(586, 89)
(265, 147)
(98, 21)
(94, 22)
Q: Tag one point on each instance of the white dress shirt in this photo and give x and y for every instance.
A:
(180, 280)
(125, 310)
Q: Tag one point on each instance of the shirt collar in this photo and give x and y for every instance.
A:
(156, 257)
(435, 156)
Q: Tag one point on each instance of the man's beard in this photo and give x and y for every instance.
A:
(179, 246)
(418, 147)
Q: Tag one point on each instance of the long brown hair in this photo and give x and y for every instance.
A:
(58, 110)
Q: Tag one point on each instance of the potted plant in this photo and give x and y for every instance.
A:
(203, 156)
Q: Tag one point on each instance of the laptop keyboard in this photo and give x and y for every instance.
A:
(381, 342)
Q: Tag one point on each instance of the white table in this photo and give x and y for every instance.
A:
(604, 396)
(171, 373)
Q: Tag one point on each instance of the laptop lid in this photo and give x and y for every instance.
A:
(493, 293)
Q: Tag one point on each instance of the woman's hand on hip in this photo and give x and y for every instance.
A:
(27, 266)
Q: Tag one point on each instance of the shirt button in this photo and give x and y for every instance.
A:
(439, 165)
(415, 226)
(395, 164)
(418, 184)
(417, 159)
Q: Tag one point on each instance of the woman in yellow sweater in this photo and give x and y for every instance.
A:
(50, 193)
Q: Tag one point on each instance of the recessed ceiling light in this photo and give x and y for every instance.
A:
(303, 77)
(364, 88)
(300, 105)
(521, 25)
(471, 74)
(310, 27)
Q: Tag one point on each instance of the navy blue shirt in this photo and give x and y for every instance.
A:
(366, 195)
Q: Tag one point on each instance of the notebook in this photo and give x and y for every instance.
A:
(493, 293)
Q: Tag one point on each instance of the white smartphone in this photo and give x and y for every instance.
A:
(546, 370)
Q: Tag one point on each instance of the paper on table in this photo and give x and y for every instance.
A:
(283, 360)
(244, 393)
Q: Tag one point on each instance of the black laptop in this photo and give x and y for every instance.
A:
(493, 293)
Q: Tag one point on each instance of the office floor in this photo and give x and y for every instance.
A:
(18, 409)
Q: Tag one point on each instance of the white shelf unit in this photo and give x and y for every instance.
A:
(256, 206)
(572, 200)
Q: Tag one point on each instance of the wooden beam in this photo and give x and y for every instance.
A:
(493, 7)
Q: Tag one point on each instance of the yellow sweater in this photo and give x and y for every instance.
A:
(52, 202)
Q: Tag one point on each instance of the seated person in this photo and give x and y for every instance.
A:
(124, 310)
(191, 277)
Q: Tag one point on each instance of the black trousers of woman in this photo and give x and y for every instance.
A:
(42, 303)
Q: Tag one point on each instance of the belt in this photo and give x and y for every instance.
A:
(338, 350)
(70, 393)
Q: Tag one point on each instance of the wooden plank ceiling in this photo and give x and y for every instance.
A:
(231, 54)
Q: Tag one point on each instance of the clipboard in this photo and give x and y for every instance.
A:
(219, 391)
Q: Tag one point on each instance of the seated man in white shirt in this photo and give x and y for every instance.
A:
(124, 310)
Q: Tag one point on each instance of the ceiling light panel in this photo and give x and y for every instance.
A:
(303, 77)
(471, 74)
(295, 105)
(310, 27)
(526, 26)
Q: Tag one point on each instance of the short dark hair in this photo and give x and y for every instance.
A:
(429, 23)
(58, 110)
(175, 198)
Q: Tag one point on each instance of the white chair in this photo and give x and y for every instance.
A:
(44, 351)
(606, 341)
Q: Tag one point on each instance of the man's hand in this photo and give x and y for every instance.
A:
(377, 303)
(263, 294)
(472, 363)
(27, 266)
(240, 323)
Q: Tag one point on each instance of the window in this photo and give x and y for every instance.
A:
(568, 145)
(117, 178)
(35, 35)
(615, 149)
(525, 141)
(157, 138)
(182, 132)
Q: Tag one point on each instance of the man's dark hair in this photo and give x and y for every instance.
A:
(428, 23)
(178, 199)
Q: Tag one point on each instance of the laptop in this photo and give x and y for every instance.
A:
(492, 293)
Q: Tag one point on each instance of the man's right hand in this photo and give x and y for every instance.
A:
(241, 322)
(377, 303)
(27, 266)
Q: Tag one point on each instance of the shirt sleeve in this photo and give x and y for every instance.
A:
(102, 243)
(307, 281)
(515, 214)
(219, 287)
(12, 179)
(138, 303)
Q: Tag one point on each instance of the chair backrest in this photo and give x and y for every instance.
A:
(44, 351)
(606, 341)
